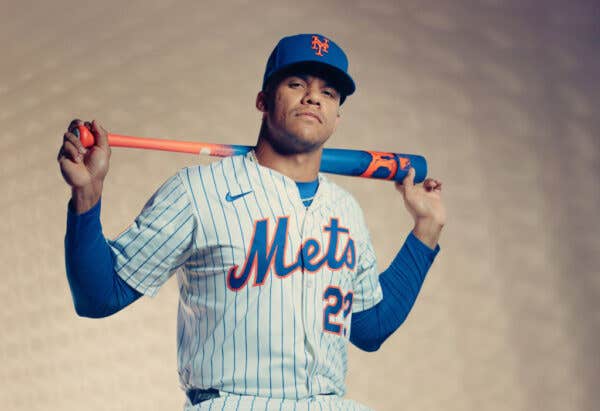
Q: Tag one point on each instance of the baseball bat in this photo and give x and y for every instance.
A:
(359, 163)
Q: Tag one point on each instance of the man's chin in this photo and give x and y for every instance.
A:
(294, 144)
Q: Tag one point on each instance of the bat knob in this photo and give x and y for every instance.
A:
(85, 136)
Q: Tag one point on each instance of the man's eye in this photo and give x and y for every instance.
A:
(329, 93)
(295, 84)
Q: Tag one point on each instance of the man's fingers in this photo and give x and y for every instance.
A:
(429, 184)
(70, 151)
(100, 135)
(399, 187)
(409, 180)
(407, 187)
(432, 184)
(74, 124)
(408, 183)
(73, 139)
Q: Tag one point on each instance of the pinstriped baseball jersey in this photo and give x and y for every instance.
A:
(267, 285)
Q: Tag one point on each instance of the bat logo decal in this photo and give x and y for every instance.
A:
(385, 165)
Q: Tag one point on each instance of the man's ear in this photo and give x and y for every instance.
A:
(261, 102)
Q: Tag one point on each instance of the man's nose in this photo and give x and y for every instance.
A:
(312, 95)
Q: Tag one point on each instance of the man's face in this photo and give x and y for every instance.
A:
(301, 114)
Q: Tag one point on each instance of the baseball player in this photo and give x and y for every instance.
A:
(275, 266)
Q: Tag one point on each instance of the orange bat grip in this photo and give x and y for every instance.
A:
(118, 140)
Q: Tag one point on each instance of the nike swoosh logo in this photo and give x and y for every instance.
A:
(231, 198)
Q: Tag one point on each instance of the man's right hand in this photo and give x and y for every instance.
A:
(84, 169)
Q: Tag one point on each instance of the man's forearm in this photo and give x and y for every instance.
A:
(400, 285)
(428, 231)
(96, 288)
(84, 198)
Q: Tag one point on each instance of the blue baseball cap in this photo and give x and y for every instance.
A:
(307, 52)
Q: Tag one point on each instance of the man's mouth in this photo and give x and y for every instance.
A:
(310, 114)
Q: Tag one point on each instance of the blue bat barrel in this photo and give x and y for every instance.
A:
(373, 164)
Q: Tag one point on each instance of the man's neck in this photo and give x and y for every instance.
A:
(299, 167)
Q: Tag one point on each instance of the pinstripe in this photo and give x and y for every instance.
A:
(140, 232)
(180, 328)
(220, 384)
(141, 264)
(201, 348)
(157, 230)
(258, 343)
(281, 284)
(167, 256)
(233, 259)
(224, 285)
(156, 217)
(124, 243)
(305, 356)
(245, 202)
(270, 289)
(201, 224)
(205, 285)
(307, 332)
(294, 293)
(317, 297)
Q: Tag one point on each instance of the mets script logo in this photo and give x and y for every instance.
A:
(320, 46)
(265, 253)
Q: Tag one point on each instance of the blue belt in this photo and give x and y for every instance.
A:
(197, 395)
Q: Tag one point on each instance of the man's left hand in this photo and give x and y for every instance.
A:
(424, 203)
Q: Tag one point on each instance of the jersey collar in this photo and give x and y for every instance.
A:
(286, 183)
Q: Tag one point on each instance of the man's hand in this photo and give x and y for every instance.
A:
(424, 203)
(84, 169)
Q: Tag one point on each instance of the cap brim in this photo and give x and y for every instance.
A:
(338, 79)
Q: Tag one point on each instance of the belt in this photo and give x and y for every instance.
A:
(197, 395)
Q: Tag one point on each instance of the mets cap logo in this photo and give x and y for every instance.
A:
(321, 46)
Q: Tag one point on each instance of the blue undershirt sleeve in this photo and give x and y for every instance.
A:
(400, 284)
(96, 288)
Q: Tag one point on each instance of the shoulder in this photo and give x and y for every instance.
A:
(216, 169)
(213, 180)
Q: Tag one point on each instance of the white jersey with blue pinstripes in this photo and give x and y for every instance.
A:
(267, 285)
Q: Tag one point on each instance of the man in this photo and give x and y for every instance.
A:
(275, 266)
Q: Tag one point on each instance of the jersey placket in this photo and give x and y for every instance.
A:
(296, 211)
(292, 206)
(301, 212)
(312, 227)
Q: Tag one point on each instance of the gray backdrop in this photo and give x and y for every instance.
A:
(500, 96)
